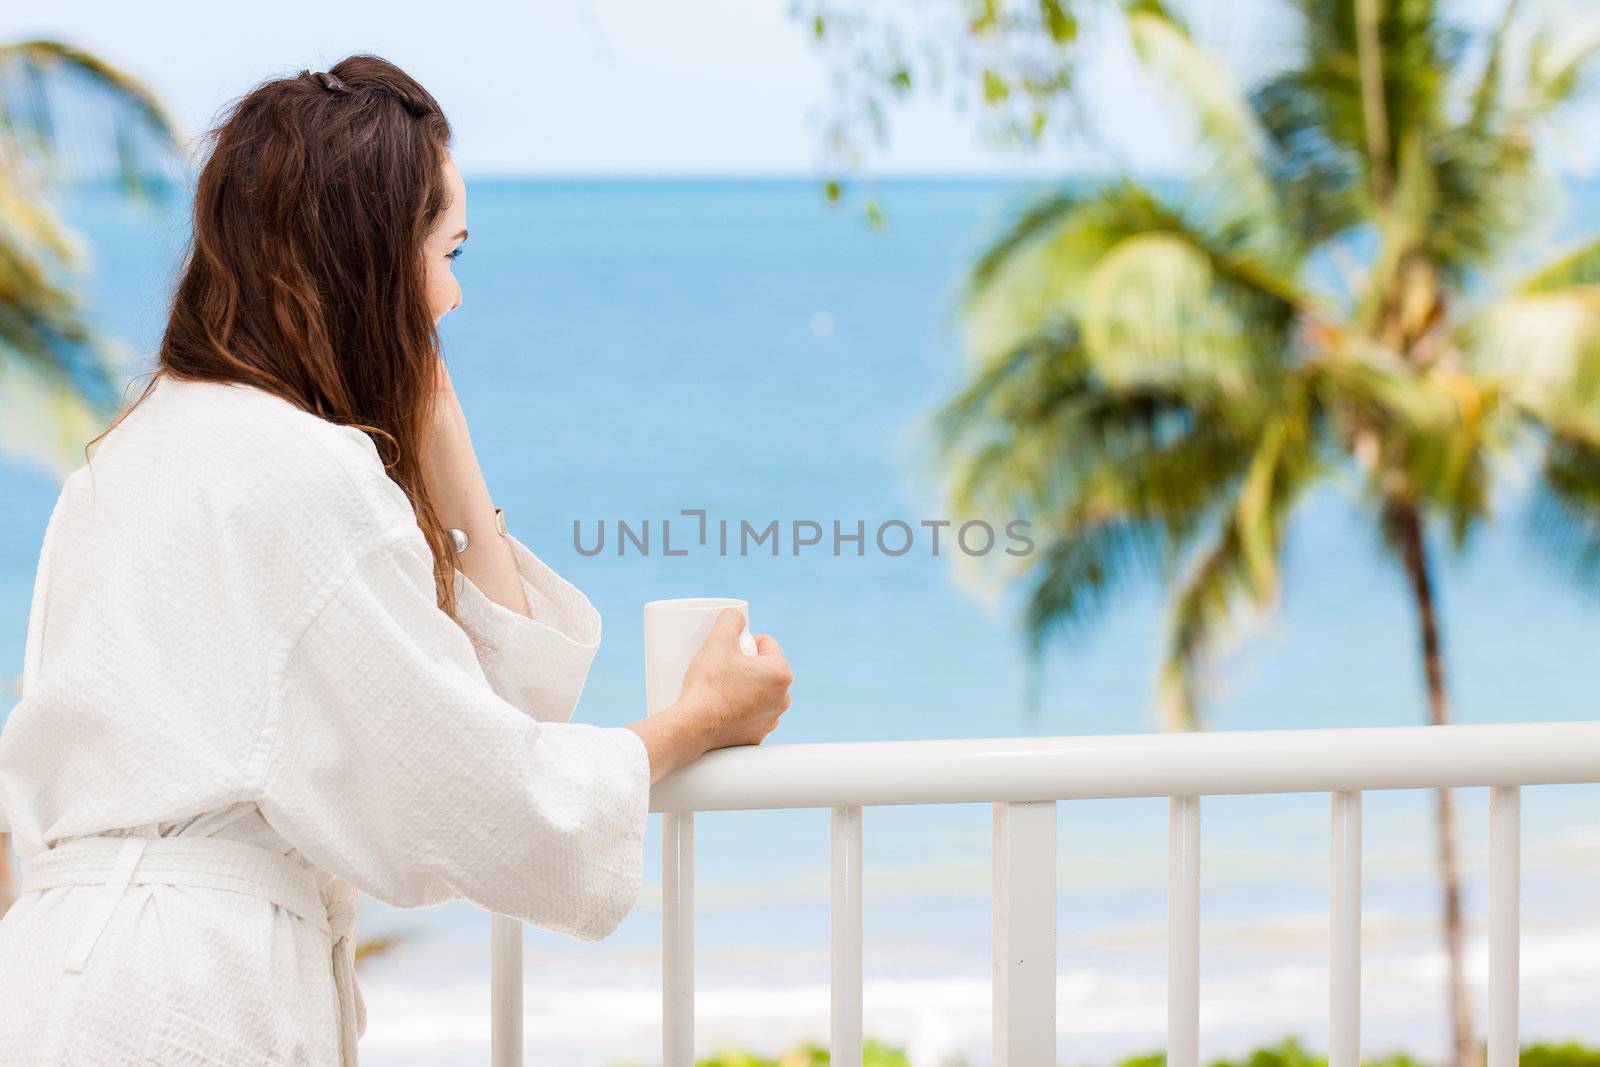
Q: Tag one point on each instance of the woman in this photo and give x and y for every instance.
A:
(281, 647)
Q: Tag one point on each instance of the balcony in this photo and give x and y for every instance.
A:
(1024, 778)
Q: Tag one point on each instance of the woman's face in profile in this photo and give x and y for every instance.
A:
(443, 245)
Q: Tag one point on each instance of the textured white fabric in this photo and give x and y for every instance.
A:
(114, 862)
(233, 635)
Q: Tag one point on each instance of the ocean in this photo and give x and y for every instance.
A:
(630, 350)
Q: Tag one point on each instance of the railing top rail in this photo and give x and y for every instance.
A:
(977, 770)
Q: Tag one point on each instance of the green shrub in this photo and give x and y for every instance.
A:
(1570, 1054)
(1285, 1053)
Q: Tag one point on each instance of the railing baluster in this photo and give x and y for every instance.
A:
(505, 991)
(845, 1032)
(677, 939)
(1344, 933)
(1183, 932)
(1024, 933)
(1505, 876)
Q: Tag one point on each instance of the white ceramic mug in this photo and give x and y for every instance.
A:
(674, 631)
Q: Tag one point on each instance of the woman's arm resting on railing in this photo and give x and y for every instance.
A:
(671, 738)
(389, 761)
(729, 698)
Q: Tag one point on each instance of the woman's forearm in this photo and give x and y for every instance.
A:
(456, 487)
(670, 738)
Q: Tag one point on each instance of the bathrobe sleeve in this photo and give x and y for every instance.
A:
(397, 766)
(537, 664)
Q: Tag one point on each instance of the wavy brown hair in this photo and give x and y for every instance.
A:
(304, 272)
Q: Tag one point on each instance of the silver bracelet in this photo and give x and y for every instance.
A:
(458, 537)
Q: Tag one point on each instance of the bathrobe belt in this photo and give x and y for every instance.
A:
(209, 863)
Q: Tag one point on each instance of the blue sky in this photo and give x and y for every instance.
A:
(611, 86)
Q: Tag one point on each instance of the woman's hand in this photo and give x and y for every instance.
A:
(446, 441)
(729, 698)
(455, 486)
(742, 696)
(448, 426)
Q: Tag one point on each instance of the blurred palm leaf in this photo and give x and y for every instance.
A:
(370, 948)
(1236, 180)
(63, 112)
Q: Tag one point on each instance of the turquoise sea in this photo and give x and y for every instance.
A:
(630, 349)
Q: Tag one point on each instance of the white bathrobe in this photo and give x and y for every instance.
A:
(240, 704)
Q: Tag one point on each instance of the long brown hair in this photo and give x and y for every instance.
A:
(304, 272)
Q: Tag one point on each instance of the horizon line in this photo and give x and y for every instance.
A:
(846, 181)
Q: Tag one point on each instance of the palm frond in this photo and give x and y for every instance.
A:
(56, 97)
(1544, 346)
(1125, 360)
(1237, 189)
(1576, 266)
(44, 417)
(1113, 479)
(41, 328)
(1319, 97)
(1000, 438)
(1564, 515)
(1486, 97)
(1488, 168)
(1238, 568)
(1546, 340)
(1422, 434)
(1320, 176)
(1037, 217)
(1081, 573)
(1488, 172)
(58, 379)
(1033, 275)
(1040, 434)
(1558, 60)
(1161, 307)
(30, 224)
(1060, 260)
(1486, 190)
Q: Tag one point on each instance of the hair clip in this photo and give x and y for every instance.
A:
(330, 82)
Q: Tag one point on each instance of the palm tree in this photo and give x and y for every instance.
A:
(59, 380)
(1160, 380)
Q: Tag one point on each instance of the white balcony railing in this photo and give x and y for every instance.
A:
(1024, 777)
